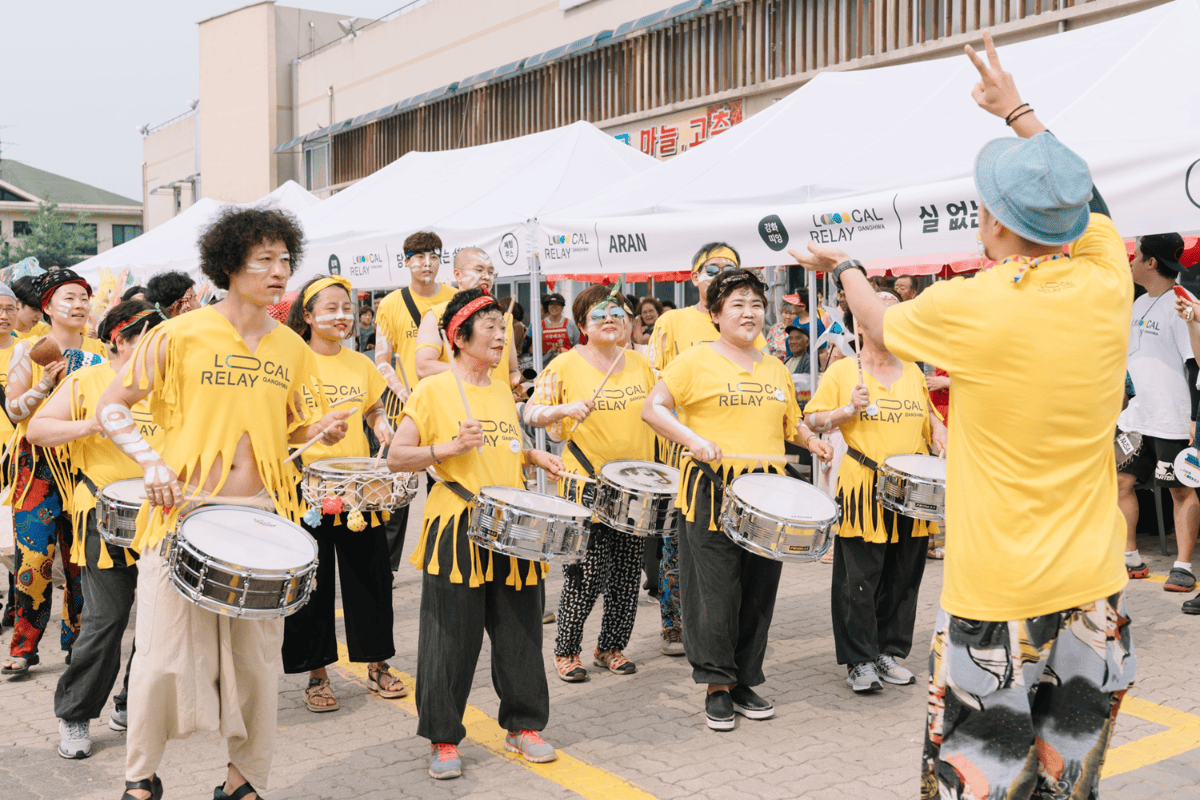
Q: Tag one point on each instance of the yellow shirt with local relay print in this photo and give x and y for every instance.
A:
(900, 428)
(343, 375)
(396, 323)
(1039, 368)
(677, 330)
(614, 429)
(739, 411)
(437, 409)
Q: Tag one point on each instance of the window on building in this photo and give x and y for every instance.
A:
(93, 249)
(6, 195)
(124, 233)
(316, 167)
(21, 228)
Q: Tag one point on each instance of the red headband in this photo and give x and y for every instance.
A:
(465, 312)
(138, 317)
(46, 295)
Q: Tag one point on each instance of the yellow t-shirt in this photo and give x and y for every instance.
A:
(900, 428)
(213, 390)
(6, 426)
(38, 330)
(436, 408)
(501, 370)
(343, 375)
(679, 329)
(393, 319)
(1039, 368)
(615, 428)
(96, 456)
(739, 411)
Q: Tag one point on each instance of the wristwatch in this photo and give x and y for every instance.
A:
(845, 265)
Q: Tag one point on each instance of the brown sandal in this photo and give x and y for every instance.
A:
(375, 682)
(319, 687)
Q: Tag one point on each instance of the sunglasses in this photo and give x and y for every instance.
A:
(600, 314)
(717, 269)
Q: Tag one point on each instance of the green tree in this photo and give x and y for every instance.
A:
(55, 241)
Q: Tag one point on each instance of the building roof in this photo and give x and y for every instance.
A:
(53, 188)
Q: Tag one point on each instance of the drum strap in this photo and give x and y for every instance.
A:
(406, 293)
(581, 458)
(79, 476)
(862, 459)
(463, 493)
(708, 472)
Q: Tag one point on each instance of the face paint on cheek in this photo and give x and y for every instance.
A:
(63, 309)
(330, 319)
(256, 269)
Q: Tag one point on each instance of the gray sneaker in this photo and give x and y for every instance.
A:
(76, 740)
(672, 644)
(863, 678)
(891, 672)
(119, 719)
(444, 761)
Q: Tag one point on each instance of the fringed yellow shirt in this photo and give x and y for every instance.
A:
(739, 411)
(436, 408)
(900, 428)
(210, 391)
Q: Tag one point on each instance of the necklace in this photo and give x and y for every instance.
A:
(1140, 325)
(1025, 263)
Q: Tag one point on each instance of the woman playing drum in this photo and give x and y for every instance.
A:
(743, 400)
(879, 556)
(606, 429)
(466, 589)
(323, 317)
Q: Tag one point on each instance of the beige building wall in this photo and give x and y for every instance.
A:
(103, 217)
(440, 43)
(169, 155)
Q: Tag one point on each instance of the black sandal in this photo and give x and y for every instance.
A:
(238, 793)
(152, 785)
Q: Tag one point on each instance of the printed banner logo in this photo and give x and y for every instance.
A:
(335, 266)
(773, 233)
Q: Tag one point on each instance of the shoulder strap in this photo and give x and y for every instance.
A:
(463, 493)
(581, 458)
(862, 459)
(411, 304)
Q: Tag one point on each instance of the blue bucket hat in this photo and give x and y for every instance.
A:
(1038, 188)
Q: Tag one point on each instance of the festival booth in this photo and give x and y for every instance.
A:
(481, 196)
(879, 162)
(172, 245)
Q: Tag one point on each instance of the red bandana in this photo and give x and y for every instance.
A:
(465, 312)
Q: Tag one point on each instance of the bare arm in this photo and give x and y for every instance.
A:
(657, 413)
(23, 396)
(542, 412)
(408, 454)
(822, 421)
(805, 438)
(53, 424)
(429, 348)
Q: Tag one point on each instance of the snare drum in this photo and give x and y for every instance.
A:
(117, 508)
(913, 486)
(242, 562)
(779, 517)
(537, 527)
(359, 483)
(637, 497)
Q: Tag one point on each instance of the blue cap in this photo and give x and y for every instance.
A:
(1038, 188)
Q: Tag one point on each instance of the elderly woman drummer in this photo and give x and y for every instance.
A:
(348, 540)
(598, 428)
(467, 589)
(743, 400)
(882, 409)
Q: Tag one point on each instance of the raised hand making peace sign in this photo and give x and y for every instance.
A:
(997, 93)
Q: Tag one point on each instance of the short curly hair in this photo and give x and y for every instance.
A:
(458, 303)
(226, 243)
(422, 242)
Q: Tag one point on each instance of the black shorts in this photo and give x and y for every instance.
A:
(1156, 459)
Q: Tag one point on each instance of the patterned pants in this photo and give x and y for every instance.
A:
(1025, 709)
(612, 567)
(40, 526)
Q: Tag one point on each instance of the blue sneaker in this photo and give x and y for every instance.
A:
(444, 762)
(529, 744)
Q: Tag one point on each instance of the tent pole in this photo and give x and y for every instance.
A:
(814, 315)
(535, 326)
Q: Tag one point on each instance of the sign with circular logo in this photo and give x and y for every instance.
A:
(1187, 467)
(515, 446)
(335, 266)
(509, 249)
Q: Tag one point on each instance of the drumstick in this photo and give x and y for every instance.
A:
(379, 456)
(346, 399)
(604, 380)
(790, 459)
(458, 380)
(576, 476)
(314, 439)
(403, 375)
(217, 499)
(871, 408)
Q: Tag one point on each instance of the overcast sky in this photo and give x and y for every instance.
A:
(81, 75)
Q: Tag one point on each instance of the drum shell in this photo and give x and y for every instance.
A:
(116, 519)
(528, 533)
(772, 536)
(634, 511)
(234, 590)
(910, 495)
(366, 491)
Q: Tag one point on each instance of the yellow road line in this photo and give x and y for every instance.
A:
(1154, 577)
(1182, 735)
(576, 775)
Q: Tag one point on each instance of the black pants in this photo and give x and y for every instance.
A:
(394, 529)
(728, 598)
(611, 567)
(651, 556)
(874, 594)
(453, 619)
(309, 636)
(96, 659)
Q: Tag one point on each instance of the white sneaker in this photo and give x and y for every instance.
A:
(891, 672)
(119, 719)
(76, 740)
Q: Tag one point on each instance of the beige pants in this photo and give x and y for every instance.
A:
(195, 670)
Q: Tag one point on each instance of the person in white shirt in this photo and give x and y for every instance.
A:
(1159, 347)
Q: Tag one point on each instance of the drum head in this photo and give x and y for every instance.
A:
(644, 475)
(128, 492)
(930, 467)
(533, 501)
(248, 537)
(345, 466)
(784, 497)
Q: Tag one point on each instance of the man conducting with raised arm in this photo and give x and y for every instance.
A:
(1031, 652)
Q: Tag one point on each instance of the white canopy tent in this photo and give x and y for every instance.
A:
(480, 196)
(880, 161)
(172, 245)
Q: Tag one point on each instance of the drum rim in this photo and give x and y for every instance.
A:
(731, 493)
(102, 494)
(482, 496)
(179, 539)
